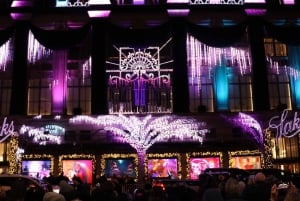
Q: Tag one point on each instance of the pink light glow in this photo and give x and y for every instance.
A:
(59, 82)
(255, 12)
(98, 13)
(177, 1)
(21, 4)
(178, 12)
(289, 2)
(138, 2)
(254, 1)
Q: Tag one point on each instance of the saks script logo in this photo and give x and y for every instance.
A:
(284, 127)
(7, 129)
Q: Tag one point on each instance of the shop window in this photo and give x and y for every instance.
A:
(287, 148)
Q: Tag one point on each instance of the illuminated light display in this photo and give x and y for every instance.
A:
(49, 134)
(21, 4)
(98, 13)
(37, 157)
(7, 129)
(250, 126)
(204, 59)
(284, 126)
(59, 83)
(178, 12)
(5, 55)
(211, 159)
(142, 133)
(221, 87)
(119, 156)
(77, 157)
(36, 51)
(289, 2)
(268, 145)
(174, 155)
(245, 153)
(229, 2)
(12, 154)
(141, 81)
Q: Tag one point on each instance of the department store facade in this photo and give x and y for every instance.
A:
(145, 81)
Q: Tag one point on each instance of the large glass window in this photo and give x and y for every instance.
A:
(39, 97)
(6, 68)
(210, 69)
(279, 76)
(79, 96)
(59, 80)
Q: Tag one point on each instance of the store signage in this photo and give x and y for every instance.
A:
(7, 129)
(285, 126)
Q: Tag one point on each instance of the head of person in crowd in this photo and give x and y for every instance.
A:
(232, 188)
(260, 178)
(52, 196)
(251, 180)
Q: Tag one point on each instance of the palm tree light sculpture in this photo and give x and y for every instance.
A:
(141, 132)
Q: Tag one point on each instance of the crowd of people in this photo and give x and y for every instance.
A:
(208, 187)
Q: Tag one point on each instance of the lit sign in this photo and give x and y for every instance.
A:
(7, 129)
(54, 129)
(285, 127)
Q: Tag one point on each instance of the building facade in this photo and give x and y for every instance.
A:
(146, 80)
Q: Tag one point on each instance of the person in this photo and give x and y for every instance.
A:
(52, 196)
(210, 190)
(80, 172)
(259, 191)
(115, 169)
(284, 192)
(233, 190)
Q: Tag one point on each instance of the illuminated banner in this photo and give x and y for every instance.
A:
(7, 129)
(285, 127)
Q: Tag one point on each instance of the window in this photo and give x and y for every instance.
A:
(278, 78)
(79, 96)
(287, 148)
(39, 97)
(5, 96)
(203, 64)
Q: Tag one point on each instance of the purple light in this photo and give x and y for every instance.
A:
(177, 1)
(289, 2)
(255, 12)
(98, 13)
(59, 82)
(249, 126)
(138, 2)
(178, 12)
(22, 15)
(254, 1)
(142, 132)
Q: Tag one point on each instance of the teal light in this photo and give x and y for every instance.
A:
(221, 87)
(294, 59)
(295, 84)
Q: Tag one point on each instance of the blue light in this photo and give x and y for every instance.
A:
(221, 87)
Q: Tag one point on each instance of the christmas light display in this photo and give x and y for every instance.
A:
(142, 132)
(249, 126)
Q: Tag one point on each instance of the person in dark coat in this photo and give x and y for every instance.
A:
(259, 191)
